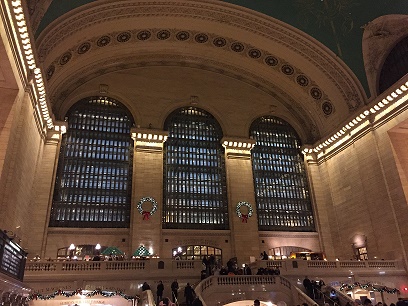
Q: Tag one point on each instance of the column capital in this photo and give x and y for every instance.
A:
(238, 147)
(54, 135)
(149, 139)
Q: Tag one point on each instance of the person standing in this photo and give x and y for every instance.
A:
(308, 286)
(159, 291)
(174, 290)
(189, 294)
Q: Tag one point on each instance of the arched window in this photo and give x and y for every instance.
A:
(195, 193)
(395, 66)
(94, 176)
(281, 187)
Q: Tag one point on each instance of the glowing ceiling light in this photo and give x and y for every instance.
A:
(16, 3)
(21, 23)
(19, 16)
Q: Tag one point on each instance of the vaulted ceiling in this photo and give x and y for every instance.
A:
(301, 60)
(338, 24)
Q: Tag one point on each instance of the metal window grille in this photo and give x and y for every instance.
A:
(195, 192)
(395, 65)
(94, 175)
(281, 187)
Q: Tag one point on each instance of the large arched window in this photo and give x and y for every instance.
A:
(195, 195)
(395, 65)
(94, 176)
(281, 187)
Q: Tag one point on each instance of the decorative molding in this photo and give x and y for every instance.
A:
(262, 57)
(288, 235)
(213, 11)
(195, 233)
(93, 70)
(379, 38)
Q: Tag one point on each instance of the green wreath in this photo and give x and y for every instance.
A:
(146, 214)
(244, 217)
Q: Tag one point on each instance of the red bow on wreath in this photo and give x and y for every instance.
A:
(146, 215)
(244, 218)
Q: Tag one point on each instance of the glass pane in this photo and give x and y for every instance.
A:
(281, 188)
(94, 175)
(195, 193)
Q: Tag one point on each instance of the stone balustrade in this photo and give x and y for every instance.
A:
(221, 290)
(146, 269)
(321, 267)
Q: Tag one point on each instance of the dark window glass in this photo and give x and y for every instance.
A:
(94, 176)
(195, 194)
(395, 65)
(197, 252)
(281, 187)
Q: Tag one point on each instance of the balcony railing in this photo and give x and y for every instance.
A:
(221, 290)
(310, 267)
(86, 270)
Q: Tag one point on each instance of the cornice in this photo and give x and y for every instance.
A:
(288, 234)
(275, 31)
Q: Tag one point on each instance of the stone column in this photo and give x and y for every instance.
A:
(44, 190)
(147, 197)
(240, 184)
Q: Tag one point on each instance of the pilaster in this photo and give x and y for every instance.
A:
(147, 183)
(240, 184)
(43, 190)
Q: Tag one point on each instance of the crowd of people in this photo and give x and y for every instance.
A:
(314, 288)
(189, 294)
